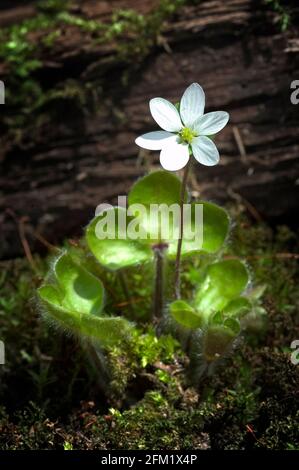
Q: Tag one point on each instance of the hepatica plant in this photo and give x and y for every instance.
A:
(157, 230)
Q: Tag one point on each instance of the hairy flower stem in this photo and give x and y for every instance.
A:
(159, 280)
(177, 279)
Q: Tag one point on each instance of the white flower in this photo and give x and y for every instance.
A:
(185, 131)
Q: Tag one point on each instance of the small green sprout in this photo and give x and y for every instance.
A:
(67, 446)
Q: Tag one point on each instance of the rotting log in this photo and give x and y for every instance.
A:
(58, 170)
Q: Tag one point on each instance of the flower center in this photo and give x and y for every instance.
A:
(187, 135)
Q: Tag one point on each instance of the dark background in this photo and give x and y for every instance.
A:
(75, 102)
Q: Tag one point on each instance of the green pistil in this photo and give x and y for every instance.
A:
(187, 135)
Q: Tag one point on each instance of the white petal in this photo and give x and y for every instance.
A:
(205, 151)
(210, 123)
(174, 156)
(154, 140)
(165, 114)
(192, 104)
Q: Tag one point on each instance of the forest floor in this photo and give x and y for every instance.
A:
(50, 396)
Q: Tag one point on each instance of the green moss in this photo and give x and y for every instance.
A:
(156, 424)
(284, 15)
(145, 353)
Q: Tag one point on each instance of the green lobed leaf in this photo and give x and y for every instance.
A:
(51, 294)
(159, 191)
(82, 292)
(215, 227)
(159, 187)
(209, 234)
(219, 318)
(224, 281)
(155, 198)
(238, 307)
(184, 314)
(107, 330)
(118, 251)
(216, 318)
(54, 308)
(76, 302)
(233, 325)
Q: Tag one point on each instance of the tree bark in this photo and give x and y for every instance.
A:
(67, 160)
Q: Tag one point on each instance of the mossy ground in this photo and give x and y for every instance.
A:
(50, 396)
